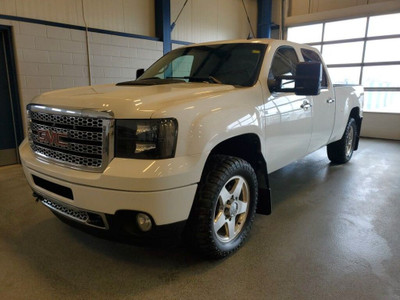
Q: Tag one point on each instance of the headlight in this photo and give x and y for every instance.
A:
(146, 139)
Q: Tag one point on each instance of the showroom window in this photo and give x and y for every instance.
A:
(360, 51)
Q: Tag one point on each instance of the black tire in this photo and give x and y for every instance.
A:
(227, 198)
(341, 151)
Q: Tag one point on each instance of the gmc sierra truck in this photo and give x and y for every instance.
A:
(186, 148)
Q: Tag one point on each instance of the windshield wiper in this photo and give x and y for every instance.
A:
(215, 80)
(151, 81)
(150, 78)
(210, 79)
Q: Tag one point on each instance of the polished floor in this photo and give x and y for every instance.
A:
(334, 233)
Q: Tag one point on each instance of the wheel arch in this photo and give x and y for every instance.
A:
(248, 147)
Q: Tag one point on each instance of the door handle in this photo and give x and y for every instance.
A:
(306, 105)
(330, 100)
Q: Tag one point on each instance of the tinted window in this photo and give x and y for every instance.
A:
(310, 56)
(236, 64)
(283, 63)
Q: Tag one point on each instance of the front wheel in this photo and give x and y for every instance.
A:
(341, 151)
(224, 208)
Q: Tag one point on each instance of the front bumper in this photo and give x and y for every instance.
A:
(166, 193)
(168, 206)
(121, 226)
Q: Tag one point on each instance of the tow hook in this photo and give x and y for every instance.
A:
(37, 196)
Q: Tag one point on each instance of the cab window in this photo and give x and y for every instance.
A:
(310, 56)
(283, 63)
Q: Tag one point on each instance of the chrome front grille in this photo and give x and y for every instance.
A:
(66, 119)
(81, 139)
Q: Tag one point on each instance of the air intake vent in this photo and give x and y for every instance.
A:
(53, 187)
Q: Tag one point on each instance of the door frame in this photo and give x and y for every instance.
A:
(7, 31)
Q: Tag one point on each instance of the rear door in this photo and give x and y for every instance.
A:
(324, 107)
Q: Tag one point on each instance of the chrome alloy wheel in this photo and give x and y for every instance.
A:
(349, 141)
(231, 209)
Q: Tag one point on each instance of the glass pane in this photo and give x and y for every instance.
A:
(384, 25)
(182, 66)
(347, 29)
(381, 76)
(310, 55)
(305, 34)
(343, 53)
(349, 75)
(284, 63)
(382, 101)
(382, 50)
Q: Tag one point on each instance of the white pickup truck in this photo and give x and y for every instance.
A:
(187, 147)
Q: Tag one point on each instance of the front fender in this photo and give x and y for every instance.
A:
(218, 119)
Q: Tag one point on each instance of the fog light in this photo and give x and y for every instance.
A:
(143, 221)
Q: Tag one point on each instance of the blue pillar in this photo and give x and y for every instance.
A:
(264, 8)
(163, 23)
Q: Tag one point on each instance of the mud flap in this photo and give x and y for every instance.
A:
(264, 206)
(358, 134)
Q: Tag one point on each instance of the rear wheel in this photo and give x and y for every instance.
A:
(341, 151)
(224, 208)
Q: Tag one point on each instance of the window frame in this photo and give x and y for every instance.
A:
(293, 68)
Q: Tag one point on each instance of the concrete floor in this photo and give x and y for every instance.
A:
(333, 234)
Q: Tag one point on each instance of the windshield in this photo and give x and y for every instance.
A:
(235, 64)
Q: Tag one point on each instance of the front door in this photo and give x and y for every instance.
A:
(287, 117)
(8, 140)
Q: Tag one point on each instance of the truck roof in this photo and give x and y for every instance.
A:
(254, 41)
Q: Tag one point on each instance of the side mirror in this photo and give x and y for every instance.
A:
(308, 78)
(139, 72)
(307, 81)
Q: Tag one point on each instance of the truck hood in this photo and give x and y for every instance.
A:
(132, 101)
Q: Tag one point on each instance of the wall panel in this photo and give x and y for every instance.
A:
(204, 20)
(63, 11)
(210, 20)
(299, 7)
(139, 17)
(324, 5)
(377, 7)
(8, 7)
(130, 16)
(307, 11)
(104, 14)
(381, 125)
(50, 58)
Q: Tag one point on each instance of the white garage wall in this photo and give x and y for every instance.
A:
(210, 20)
(49, 58)
(381, 125)
(130, 16)
(52, 57)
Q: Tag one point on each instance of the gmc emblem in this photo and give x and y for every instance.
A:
(47, 136)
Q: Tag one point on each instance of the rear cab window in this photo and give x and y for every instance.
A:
(312, 56)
